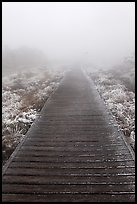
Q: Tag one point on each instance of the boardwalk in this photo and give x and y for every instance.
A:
(72, 153)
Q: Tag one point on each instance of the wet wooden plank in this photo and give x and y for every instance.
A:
(71, 171)
(67, 178)
(24, 188)
(78, 197)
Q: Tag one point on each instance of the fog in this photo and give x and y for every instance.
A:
(98, 33)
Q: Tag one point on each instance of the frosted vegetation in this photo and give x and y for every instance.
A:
(23, 96)
(25, 92)
(117, 88)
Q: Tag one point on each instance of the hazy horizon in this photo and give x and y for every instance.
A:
(102, 33)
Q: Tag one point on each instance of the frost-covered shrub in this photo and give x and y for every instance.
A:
(23, 96)
(18, 84)
(119, 100)
(118, 95)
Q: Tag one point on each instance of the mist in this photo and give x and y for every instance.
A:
(70, 66)
(97, 33)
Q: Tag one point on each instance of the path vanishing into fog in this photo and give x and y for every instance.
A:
(73, 152)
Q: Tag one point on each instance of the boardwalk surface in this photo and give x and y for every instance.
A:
(72, 153)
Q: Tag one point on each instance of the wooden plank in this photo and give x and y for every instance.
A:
(76, 171)
(70, 160)
(59, 165)
(16, 188)
(70, 154)
(67, 197)
(89, 149)
(63, 179)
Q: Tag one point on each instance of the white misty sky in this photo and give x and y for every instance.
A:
(106, 30)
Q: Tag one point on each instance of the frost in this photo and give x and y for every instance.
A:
(23, 96)
(119, 100)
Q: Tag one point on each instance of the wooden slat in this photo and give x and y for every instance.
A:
(67, 178)
(108, 165)
(68, 197)
(99, 171)
(16, 188)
